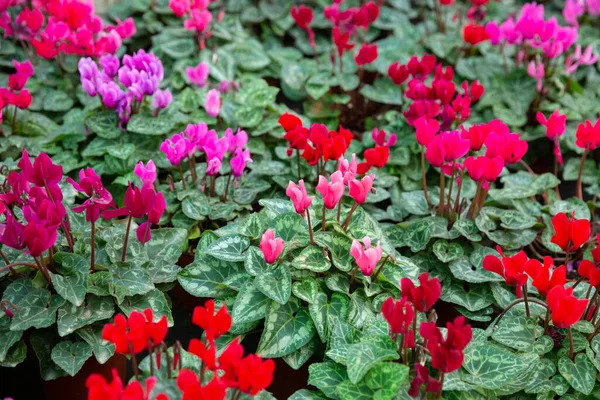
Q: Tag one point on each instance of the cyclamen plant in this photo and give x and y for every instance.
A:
(203, 375)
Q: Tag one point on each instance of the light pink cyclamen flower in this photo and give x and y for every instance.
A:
(198, 75)
(332, 191)
(299, 196)
(359, 190)
(146, 173)
(212, 103)
(367, 257)
(537, 72)
(348, 168)
(162, 98)
(271, 246)
(579, 58)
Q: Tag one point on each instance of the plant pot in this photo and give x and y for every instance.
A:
(73, 388)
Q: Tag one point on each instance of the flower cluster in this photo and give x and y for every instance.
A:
(199, 138)
(35, 192)
(576, 8)
(140, 74)
(317, 143)
(539, 40)
(230, 370)
(57, 27)
(140, 202)
(446, 352)
(379, 155)
(198, 17)
(438, 100)
(16, 95)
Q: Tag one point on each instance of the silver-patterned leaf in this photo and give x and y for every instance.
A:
(250, 305)
(312, 258)
(71, 318)
(306, 289)
(275, 283)
(229, 248)
(71, 356)
(71, 279)
(255, 263)
(154, 299)
(128, 279)
(364, 356)
(7, 337)
(580, 374)
(491, 367)
(102, 349)
(205, 277)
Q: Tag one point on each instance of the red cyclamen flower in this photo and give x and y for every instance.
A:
(366, 54)
(544, 276)
(447, 354)
(570, 233)
(566, 308)
(425, 295)
(399, 314)
(214, 324)
(512, 269)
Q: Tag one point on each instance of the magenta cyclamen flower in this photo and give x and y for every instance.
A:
(87, 75)
(176, 148)
(198, 75)
(271, 246)
(240, 139)
(162, 98)
(110, 93)
(299, 196)
(146, 173)
(446, 147)
(367, 257)
(215, 151)
(332, 191)
(239, 160)
(110, 65)
(579, 58)
(212, 103)
(99, 199)
(154, 214)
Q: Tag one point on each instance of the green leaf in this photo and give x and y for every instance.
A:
(229, 248)
(37, 310)
(71, 356)
(418, 234)
(327, 376)
(128, 280)
(477, 298)
(447, 252)
(515, 220)
(491, 367)
(305, 394)
(306, 290)
(71, 279)
(7, 337)
(463, 269)
(351, 391)
(285, 330)
(248, 116)
(312, 258)
(364, 356)
(102, 349)
(43, 341)
(205, 277)
(580, 374)
(104, 124)
(179, 48)
(162, 271)
(468, 229)
(254, 226)
(386, 379)
(298, 358)
(383, 91)
(196, 207)
(255, 263)
(154, 299)
(573, 204)
(146, 124)
(338, 283)
(15, 356)
(57, 101)
(517, 333)
(339, 247)
(250, 305)
(287, 225)
(71, 318)
(166, 245)
(276, 284)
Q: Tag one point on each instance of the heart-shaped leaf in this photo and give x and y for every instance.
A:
(447, 252)
(312, 258)
(580, 374)
(276, 284)
(255, 263)
(229, 248)
(306, 289)
(71, 279)
(250, 305)
(71, 356)
(71, 318)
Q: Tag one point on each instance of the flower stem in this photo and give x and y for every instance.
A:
(212, 185)
(380, 267)
(182, 177)
(347, 220)
(580, 175)
(339, 212)
(570, 343)
(352, 277)
(93, 259)
(192, 169)
(423, 177)
(136, 372)
(442, 193)
(514, 303)
(126, 239)
(323, 224)
(298, 162)
(227, 188)
(442, 376)
(13, 122)
(526, 300)
(310, 231)
(474, 201)
(556, 175)
(457, 201)
(450, 190)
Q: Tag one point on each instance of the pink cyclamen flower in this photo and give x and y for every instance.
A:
(537, 72)
(573, 10)
(426, 129)
(236, 140)
(198, 75)
(379, 137)
(199, 20)
(297, 193)
(162, 98)
(348, 168)
(146, 173)
(99, 199)
(332, 191)
(212, 103)
(555, 127)
(238, 162)
(179, 7)
(367, 257)
(587, 57)
(359, 190)
(176, 148)
(271, 246)
(143, 233)
(446, 147)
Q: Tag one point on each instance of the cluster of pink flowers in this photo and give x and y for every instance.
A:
(576, 8)
(347, 24)
(532, 31)
(55, 27)
(140, 74)
(438, 100)
(198, 17)
(199, 138)
(198, 76)
(16, 95)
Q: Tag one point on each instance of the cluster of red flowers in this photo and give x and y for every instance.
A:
(346, 25)
(446, 354)
(16, 94)
(317, 142)
(35, 191)
(440, 99)
(588, 135)
(570, 235)
(72, 27)
(379, 155)
(230, 370)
